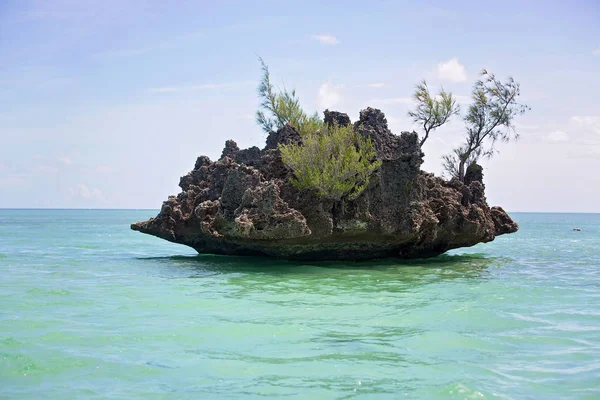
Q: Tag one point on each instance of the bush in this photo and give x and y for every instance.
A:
(336, 163)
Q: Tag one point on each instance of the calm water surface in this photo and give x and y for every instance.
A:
(90, 309)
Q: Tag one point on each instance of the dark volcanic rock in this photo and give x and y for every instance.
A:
(332, 117)
(372, 123)
(244, 204)
(287, 134)
(230, 150)
(502, 222)
(474, 173)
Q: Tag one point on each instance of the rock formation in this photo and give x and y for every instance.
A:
(244, 204)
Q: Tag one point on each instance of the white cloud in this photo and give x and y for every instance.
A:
(83, 192)
(558, 136)
(326, 39)
(65, 160)
(375, 85)
(596, 52)
(451, 71)
(171, 89)
(328, 95)
(589, 124)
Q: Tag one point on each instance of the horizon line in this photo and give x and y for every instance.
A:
(158, 209)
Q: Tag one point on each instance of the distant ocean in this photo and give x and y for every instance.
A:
(90, 309)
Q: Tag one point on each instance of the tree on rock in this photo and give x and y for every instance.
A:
(432, 112)
(282, 107)
(336, 163)
(489, 120)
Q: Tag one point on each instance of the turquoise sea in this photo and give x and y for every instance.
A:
(92, 310)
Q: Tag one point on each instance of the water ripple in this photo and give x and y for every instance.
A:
(89, 309)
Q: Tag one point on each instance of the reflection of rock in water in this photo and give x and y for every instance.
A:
(243, 204)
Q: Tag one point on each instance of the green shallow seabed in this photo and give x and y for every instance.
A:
(90, 309)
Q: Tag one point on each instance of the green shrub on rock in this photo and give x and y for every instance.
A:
(336, 163)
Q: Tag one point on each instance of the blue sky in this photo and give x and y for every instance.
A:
(107, 103)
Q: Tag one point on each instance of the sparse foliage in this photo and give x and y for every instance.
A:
(281, 107)
(432, 112)
(452, 162)
(337, 162)
(489, 120)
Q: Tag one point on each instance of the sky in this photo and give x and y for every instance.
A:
(105, 104)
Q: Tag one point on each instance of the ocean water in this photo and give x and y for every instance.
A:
(92, 310)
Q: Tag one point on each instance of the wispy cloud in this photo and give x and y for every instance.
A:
(596, 52)
(66, 160)
(587, 123)
(375, 85)
(206, 86)
(326, 39)
(329, 95)
(558, 136)
(81, 191)
(451, 71)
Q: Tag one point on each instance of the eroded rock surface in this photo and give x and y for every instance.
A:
(244, 204)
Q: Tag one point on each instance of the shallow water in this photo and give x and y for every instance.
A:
(90, 309)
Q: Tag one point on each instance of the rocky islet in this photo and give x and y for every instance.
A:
(244, 204)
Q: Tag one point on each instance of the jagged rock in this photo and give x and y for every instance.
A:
(502, 222)
(244, 204)
(474, 173)
(248, 156)
(202, 161)
(287, 134)
(373, 124)
(262, 215)
(332, 117)
(230, 150)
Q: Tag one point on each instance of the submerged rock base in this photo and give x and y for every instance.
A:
(244, 204)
